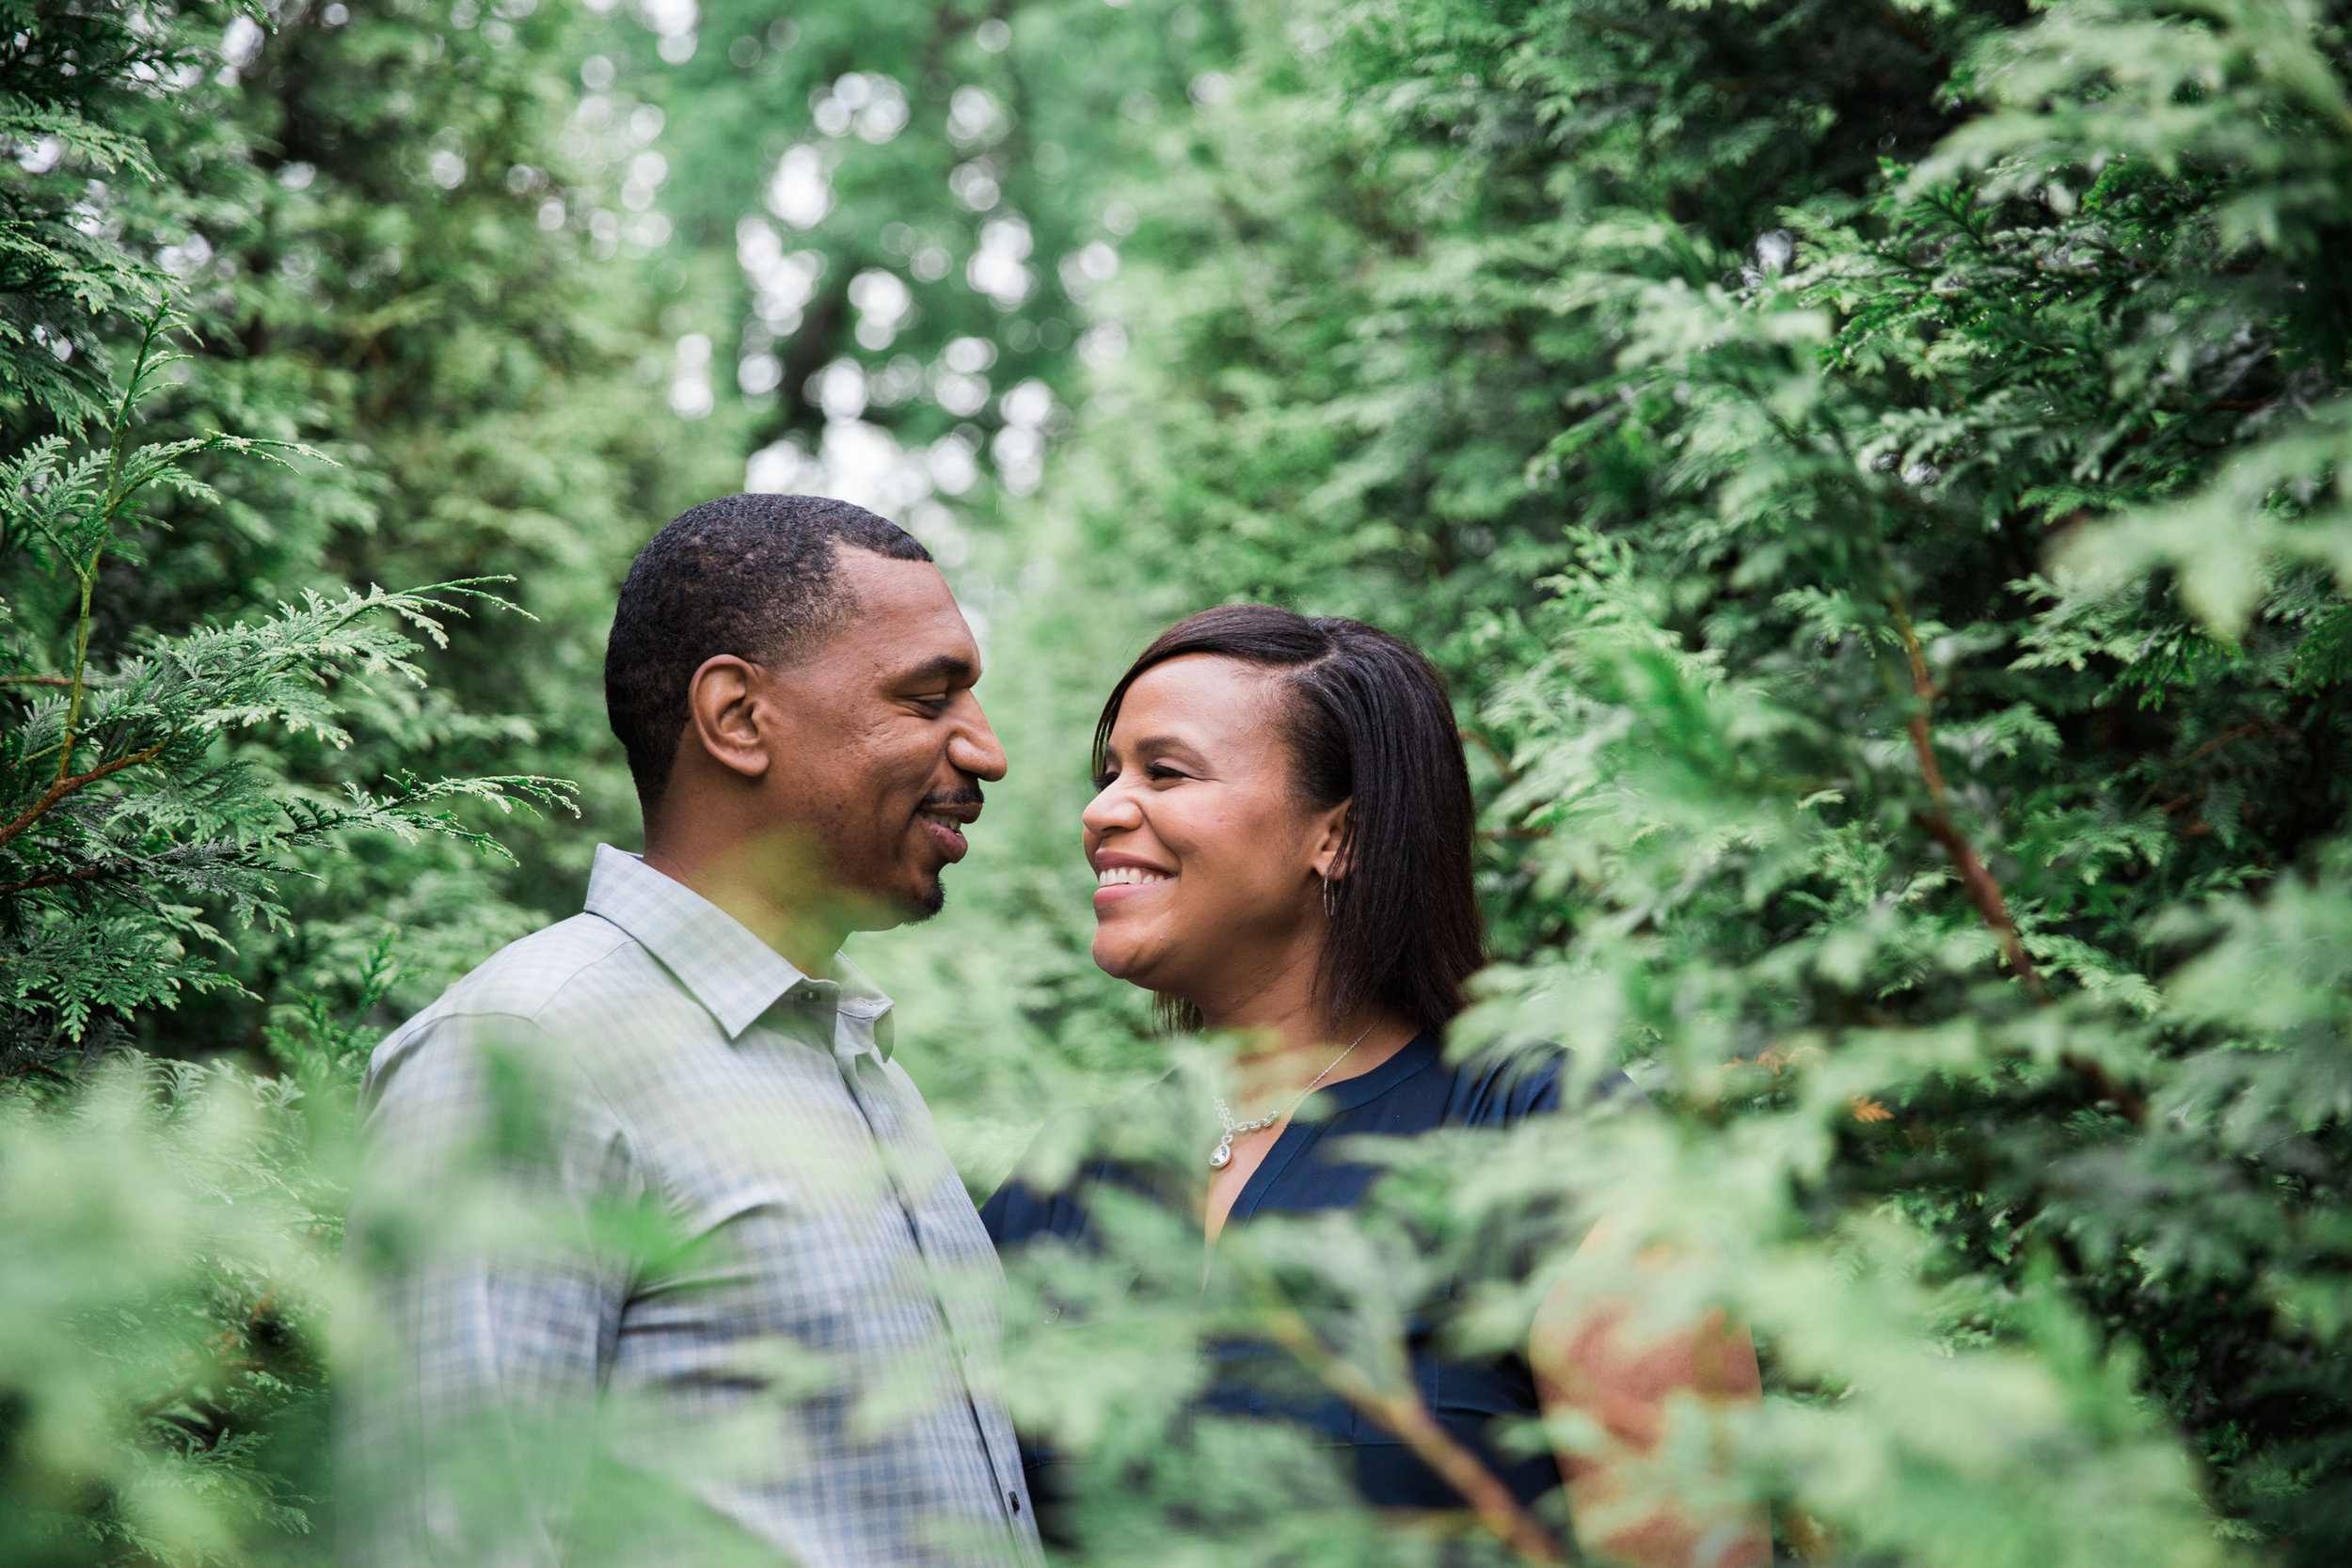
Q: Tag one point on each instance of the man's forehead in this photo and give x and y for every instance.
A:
(866, 573)
(904, 622)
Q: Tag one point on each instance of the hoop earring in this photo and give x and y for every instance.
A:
(1330, 899)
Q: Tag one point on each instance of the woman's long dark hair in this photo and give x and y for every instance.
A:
(1367, 720)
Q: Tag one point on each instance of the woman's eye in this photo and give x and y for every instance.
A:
(1104, 780)
(1159, 772)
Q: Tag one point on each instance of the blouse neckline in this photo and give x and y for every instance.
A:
(1419, 1053)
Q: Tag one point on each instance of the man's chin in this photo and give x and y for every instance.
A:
(912, 906)
(925, 904)
(880, 909)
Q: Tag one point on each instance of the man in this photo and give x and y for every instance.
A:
(667, 1263)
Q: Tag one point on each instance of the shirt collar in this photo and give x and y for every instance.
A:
(735, 975)
(865, 1013)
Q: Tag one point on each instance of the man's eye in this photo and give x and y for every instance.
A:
(938, 703)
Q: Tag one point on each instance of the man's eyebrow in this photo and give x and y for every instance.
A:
(947, 670)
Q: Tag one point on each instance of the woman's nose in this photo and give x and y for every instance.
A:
(1112, 808)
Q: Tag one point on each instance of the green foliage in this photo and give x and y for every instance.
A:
(184, 1238)
(1874, 477)
(204, 740)
(56, 276)
(1874, 474)
(124, 811)
(354, 214)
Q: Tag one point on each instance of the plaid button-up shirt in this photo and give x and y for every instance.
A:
(804, 1367)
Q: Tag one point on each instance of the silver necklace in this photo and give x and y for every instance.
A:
(1222, 1155)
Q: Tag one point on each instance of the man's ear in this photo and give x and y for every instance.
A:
(1335, 856)
(723, 712)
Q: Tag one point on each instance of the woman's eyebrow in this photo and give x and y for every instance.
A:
(1164, 743)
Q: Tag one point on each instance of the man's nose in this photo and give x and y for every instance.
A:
(974, 748)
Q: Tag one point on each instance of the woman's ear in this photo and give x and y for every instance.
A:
(721, 711)
(1334, 853)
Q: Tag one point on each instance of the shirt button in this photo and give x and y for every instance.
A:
(1014, 1500)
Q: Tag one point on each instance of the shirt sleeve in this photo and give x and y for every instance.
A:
(488, 1299)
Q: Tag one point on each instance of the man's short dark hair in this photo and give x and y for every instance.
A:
(752, 576)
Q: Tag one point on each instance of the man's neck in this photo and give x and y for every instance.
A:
(782, 906)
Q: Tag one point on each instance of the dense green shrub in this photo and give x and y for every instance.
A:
(1874, 472)
(210, 829)
(1875, 476)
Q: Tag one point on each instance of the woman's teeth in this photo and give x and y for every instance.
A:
(1123, 876)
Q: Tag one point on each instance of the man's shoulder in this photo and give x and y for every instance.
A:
(573, 974)
(525, 978)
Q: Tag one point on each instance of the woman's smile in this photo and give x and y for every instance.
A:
(1119, 878)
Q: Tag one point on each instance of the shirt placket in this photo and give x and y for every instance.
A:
(870, 1090)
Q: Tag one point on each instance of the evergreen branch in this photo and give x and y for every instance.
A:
(2240, 733)
(1984, 890)
(1404, 1416)
(60, 879)
(131, 388)
(1485, 743)
(88, 572)
(64, 787)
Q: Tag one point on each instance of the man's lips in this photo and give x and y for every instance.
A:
(945, 836)
(945, 821)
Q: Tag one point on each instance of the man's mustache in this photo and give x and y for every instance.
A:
(968, 796)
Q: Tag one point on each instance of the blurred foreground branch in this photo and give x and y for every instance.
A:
(1404, 1418)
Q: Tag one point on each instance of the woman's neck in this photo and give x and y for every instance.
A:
(1290, 1050)
(1278, 1029)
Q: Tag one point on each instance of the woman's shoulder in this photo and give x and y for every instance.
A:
(1018, 1213)
(1088, 1145)
(1503, 1087)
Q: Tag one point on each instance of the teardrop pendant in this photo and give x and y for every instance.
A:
(1222, 1155)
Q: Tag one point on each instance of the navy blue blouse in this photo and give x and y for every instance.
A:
(1412, 1092)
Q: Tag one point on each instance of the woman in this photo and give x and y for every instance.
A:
(1281, 843)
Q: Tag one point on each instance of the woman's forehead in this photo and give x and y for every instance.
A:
(1204, 698)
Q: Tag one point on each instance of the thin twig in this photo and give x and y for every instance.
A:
(1904, 25)
(1485, 743)
(1983, 888)
(59, 879)
(2206, 749)
(1984, 892)
(60, 789)
(35, 680)
(1404, 1418)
